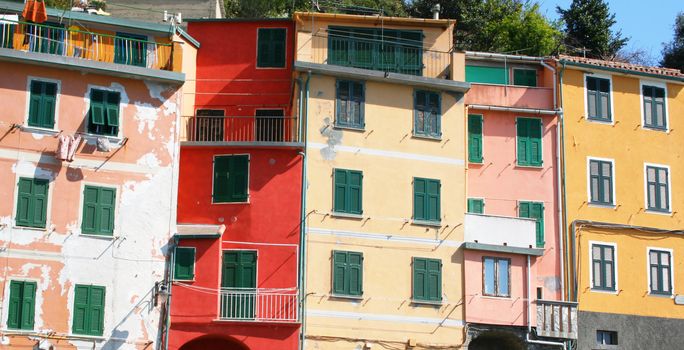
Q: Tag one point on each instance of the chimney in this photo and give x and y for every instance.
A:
(435, 11)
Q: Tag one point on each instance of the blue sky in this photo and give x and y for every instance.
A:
(647, 26)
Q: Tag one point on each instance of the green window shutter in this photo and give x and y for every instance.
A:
(475, 138)
(112, 108)
(355, 192)
(535, 150)
(184, 268)
(341, 191)
(238, 178)
(486, 75)
(106, 208)
(347, 273)
(90, 209)
(525, 77)
(529, 141)
(96, 310)
(348, 191)
(97, 107)
(523, 141)
(339, 272)
(271, 45)
(475, 206)
(40, 199)
(28, 305)
(98, 210)
(15, 302)
(534, 210)
(427, 279)
(419, 278)
(221, 189)
(419, 199)
(42, 104)
(355, 267)
(32, 200)
(81, 308)
(598, 99)
(433, 200)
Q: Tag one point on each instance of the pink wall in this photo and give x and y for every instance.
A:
(510, 96)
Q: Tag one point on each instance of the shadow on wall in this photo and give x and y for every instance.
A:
(496, 341)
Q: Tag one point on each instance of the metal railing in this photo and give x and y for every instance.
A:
(259, 305)
(557, 319)
(392, 57)
(56, 40)
(257, 129)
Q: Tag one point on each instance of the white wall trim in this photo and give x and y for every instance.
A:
(610, 96)
(383, 237)
(658, 84)
(615, 265)
(360, 316)
(669, 188)
(613, 179)
(28, 100)
(389, 154)
(648, 270)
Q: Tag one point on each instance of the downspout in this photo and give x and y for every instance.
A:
(302, 223)
(563, 189)
(169, 283)
(529, 316)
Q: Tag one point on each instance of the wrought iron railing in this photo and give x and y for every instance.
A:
(259, 305)
(257, 129)
(557, 319)
(57, 40)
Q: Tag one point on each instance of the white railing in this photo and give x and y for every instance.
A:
(557, 319)
(259, 305)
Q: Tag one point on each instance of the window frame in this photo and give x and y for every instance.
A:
(496, 277)
(536, 73)
(424, 221)
(213, 176)
(613, 182)
(285, 48)
(611, 120)
(541, 145)
(120, 128)
(344, 294)
(600, 289)
(475, 199)
(481, 158)
(666, 115)
(73, 312)
(55, 116)
(81, 217)
(437, 135)
(428, 299)
(48, 205)
(649, 264)
(194, 263)
(8, 295)
(362, 108)
(613, 335)
(669, 210)
(346, 211)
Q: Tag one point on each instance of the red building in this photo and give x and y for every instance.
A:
(235, 265)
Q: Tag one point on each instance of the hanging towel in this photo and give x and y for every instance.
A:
(63, 147)
(73, 146)
(103, 144)
(35, 11)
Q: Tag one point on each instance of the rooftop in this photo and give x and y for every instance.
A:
(639, 69)
(376, 19)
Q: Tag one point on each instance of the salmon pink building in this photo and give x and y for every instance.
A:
(236, 255)
(513, 284)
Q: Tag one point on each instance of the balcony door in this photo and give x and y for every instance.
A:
(208, 125)
(269, 125)
(238, 284)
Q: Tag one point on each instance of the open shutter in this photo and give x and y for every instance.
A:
(97, 107)
(238, 178)
(25, 208)
(15, 301)
(355, 181)
(96, 310)
(28, 305)
(419, 199)
(81, 307)
(339, 272)
(355, 272)
(106, 206)
(39, 203)
(537, 212)
(340, 178)
(112, 108)
(475, 138)
(90, 210)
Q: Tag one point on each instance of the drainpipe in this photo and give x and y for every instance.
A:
(529, 316)
(302, 223)
(561, 121)
(169, 283)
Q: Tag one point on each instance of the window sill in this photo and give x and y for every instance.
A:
(347, 297)
(114, 141)
(103, 237)
(655, 128)
(39, 130)
(481, 162)
(87, 337)
(604, 291)
(660, 295)
(350, 128)
(30, 228)
(416, 302)
(427, 137)
(346, 215)
(222, 203)
(658, 212)
(497, 297)
(427, 223)
(600, 121)
(535, 167)
(182, 280)
(602, 205)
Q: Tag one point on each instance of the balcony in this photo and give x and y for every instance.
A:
(510, 96)
(240, 131)
(259, 305)
(556, 319)
(501, 233)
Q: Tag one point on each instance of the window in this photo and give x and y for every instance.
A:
(270, 125)
(476, 205)
(486, 75)
(496, 277)
(655, 114)
(348, 191)
(208, 125)
(32, 201)
(104, 112)
(529, 135)
(271, 48)
(98, 210)
(42, 103)
(22, 305)
(606, 338)
(45, 38)
(238, 283)
(427, 114)
(347, 273)
(603, 267)
(387, 50)
(231, 179)
(474, 138)
(525, 77)
(184, 268)
(426, 200)
(534, 210)
(660, 272)
(658, 188)
(350, 104)
(88, 310)
(427, 279)
(601, 182)
(598, 99)
(130, 49)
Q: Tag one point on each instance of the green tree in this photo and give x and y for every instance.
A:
(283, 8)
(588, 26)
(512, 26)
(673, 52)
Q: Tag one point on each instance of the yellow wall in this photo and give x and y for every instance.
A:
(630, 146)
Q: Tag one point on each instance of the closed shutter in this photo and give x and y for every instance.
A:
(15, 302)
(535, 139)
(340, 193)
(347, 273)
(90, 209)
(475, 138)
(523, 141)
(42, 101)
(525, 77)
(96, 310)
(427, 279)
(419, 278)
(35, 104)
(32, 200)
(419, 199)
(40, 199)
(355, 192)
(529, 144)
(106, 209)
(355, 273)
(271, 47)
(28, 305)
(81, 306)
(339, 272)
(475, 206)
(433, 200)
(98, 210)
(221, 171)
(238, 178)
(184, 268)
(534, 210)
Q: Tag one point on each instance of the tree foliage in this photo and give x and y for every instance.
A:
(512, 26)
(282, 8)
(588, 26)
(673, 52)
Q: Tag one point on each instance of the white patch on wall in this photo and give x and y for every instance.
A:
(150, 160)
(29, 169)
(43, 285)
(146, 115)
(37, 136)
(156, 90)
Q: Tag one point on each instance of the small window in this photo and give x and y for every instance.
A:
(601, 182)
(350, 104)
(271, 48)
(208, 125)
(474, 138)
(534, 210)
(231, 179)
(476, 205)
(496, 277)
(98, 210)
(427, 279)
(655, 114)
(104, 112)
(658, 189)
(426, 200)
(22, 305)
(603, 267)
(598, 99)
(540, 293)
(348, 191)
(529, 135)
(32, 201)
(89, 310)
(347, 273)
(525, 77)
(427, 114)
(42, 103)
(660, 271)
(130, 49)
(184, 267)
(606, 338)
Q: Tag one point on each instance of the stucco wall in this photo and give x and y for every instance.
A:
(634, 332)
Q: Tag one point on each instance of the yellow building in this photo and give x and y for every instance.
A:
(623, 166)
(385, 194)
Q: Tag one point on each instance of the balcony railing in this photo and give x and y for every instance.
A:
(557, 319)
(254, 129)
(56, 40)
(259, 305)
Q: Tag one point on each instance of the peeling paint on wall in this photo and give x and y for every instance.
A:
(333, 138)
